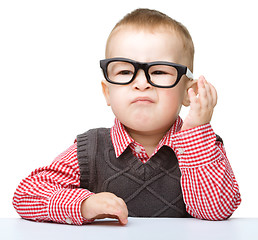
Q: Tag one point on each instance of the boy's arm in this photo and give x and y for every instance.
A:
(52, 193)
(208, 183)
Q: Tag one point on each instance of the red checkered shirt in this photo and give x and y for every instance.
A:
(209, 187)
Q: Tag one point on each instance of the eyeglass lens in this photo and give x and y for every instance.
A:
(123, 72)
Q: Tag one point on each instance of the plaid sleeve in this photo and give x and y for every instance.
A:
(208, 183)
(53, 193)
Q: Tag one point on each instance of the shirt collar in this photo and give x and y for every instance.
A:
(121, 139)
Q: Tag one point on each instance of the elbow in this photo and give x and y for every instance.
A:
(20, 206)
(220, 211)
(28, 207)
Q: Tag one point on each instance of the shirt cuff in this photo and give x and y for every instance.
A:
(65, 206)
(196, 147)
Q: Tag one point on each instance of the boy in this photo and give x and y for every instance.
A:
(150, 163)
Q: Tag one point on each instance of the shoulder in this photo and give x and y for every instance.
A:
(92, 139)
(68, 154)
(93, 132)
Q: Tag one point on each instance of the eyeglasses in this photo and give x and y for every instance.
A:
(160, 74)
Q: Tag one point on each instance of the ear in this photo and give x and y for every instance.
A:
(190, 84)
(105, 91)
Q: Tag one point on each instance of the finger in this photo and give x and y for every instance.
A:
(208, 96)
(202, 91)
(103, 216)
(194, 100)
(123, 216)
(192, 97)
(123, 221)
(201, 86)
(207, 86)
(119, 213)
(211, 93)
(117, 209)
(214, 95)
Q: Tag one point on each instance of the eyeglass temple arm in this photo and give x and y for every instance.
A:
(189, 74)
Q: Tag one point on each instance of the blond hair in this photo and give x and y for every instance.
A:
(143, 18)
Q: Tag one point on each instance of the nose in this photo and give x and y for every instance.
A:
(140, 82)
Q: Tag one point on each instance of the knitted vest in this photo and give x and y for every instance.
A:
(149, 190)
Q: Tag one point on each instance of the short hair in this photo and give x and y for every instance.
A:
(143, 18)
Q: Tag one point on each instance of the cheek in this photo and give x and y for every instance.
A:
(117, 100)
(171, 104)
(171, 98)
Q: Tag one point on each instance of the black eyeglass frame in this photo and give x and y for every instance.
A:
(181, 70)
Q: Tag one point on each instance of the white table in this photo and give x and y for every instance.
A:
(136, 229)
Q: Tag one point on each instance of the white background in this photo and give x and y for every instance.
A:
(50, 79)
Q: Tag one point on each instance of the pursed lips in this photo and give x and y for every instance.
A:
(143, 100)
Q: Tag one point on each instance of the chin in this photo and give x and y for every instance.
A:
(147, 128)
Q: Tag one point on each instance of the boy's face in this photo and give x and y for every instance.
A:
(140, 106)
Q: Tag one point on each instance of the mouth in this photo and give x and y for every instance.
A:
(143, 100)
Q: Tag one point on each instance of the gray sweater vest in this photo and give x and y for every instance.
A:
(152, 189)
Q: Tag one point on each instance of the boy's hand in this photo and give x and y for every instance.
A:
(201, 105)
(105, 205)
